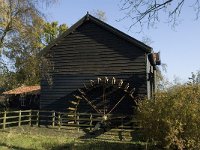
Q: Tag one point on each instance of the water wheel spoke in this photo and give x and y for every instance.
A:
(90, 103)
(117, 104)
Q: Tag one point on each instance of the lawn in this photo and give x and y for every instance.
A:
(34, 138)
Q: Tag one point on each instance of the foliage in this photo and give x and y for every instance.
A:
(173, 117)
(149, 11)
(22, 29)
(52, 30)
(162, 82)
(195, 78)
(16, 16)
(23, 51)
(101, 15)
(5, 77)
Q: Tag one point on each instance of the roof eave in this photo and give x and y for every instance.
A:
(147, 48)
(87, 17)
(56, 41)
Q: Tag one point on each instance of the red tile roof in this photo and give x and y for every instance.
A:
(23, 90)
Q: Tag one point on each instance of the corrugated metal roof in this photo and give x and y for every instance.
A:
(23, 90)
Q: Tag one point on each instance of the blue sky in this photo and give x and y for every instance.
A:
(179, 47)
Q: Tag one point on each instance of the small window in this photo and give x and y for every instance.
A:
(22, 100)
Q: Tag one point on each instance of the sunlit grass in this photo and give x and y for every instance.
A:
(33, 138)
(27, 140)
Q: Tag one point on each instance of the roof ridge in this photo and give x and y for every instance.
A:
(110, 28)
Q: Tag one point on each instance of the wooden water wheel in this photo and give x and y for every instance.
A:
(109, 98)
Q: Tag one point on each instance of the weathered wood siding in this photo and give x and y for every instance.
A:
(87, 53)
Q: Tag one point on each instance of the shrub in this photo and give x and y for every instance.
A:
(172, 118)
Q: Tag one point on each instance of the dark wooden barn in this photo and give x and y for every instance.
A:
(93, 53)
(24, 97)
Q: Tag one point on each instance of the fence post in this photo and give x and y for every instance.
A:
(37, 118)
(20, 117)
(53, 118)
(122, 123)
(4, 120)
(59, 123)
(30, 117)
(77, 121)
(90, 121)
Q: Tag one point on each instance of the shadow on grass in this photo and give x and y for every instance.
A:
(15, 147)
(91, 135)
(88, 142)
(99, 145)
(134, 135)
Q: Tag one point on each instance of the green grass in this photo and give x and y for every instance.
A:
(34, 138)
(13, 139)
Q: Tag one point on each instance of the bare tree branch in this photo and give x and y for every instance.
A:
(196, 7)
(149, 11)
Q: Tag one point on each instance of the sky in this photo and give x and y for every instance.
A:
(179, 46)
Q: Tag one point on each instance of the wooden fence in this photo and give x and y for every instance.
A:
(61, 120)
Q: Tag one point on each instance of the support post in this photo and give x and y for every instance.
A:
(77, 121)
(53, 118)
(20, 117)
(91, 122)
(122, 122)
(30, 117)
(4, 120)
(37, 118)
(59, 121)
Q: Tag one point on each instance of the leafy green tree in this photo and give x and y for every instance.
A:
(23, 51)
(3, 76)
(21, 24)
(16, 16)
(52, 30)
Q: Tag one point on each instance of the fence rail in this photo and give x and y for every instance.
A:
(60, 119)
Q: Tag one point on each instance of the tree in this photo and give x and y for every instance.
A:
(101, 15)
(23, 33)
(24, 51)
(52, 30)
(149, 11)
(172, 118)
(195, 78)
(16, 16)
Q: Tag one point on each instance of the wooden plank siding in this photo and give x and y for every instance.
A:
(91, 51)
